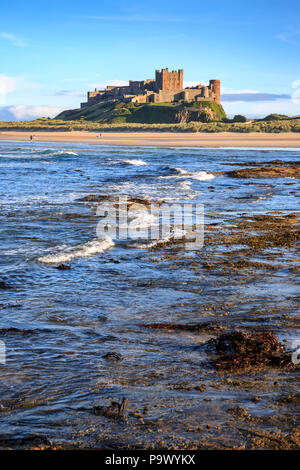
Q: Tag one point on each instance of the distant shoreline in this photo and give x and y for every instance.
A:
(161, 139)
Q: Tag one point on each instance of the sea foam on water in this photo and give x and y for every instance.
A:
(84, 250)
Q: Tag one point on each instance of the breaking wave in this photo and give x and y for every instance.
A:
(134, 162)
(139, 221)
(146, 244)
(197, 175)
(84, 250)
(59, 152)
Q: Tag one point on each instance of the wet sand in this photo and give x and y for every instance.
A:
(162, 139)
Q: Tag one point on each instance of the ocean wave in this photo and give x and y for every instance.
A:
(55, 153)
(133, 162)
(84, 250)
(147, 244)
(197, 175)
(141, 221)
(29, 154)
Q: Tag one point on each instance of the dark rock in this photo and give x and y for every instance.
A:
(184, 326)
(115, 409)
(63, 267)
(4, 285)
(113, 356)
(4, 331)
(31, 442)
(288, 171)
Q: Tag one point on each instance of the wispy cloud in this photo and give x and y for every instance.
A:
(76, 80)
(225, 90)
(13, 39)
(246, 97)
(242, 96)
(68, 93)
(141, 18)
(289, 38)
(166, 37)
(191, 83)
(115, 82)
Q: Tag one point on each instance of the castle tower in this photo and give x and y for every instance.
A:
(215, 86)
(180, 78)
(166, 80)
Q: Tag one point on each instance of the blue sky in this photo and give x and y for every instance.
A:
(53, 52)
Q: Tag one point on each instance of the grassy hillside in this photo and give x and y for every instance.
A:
(55, 125)
(150, 113)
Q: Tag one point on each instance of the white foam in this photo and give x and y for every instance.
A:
(185, 184)
(197, 175)
(62, 152)
(90, 248)
(135, 162)
(176, 235)
(141, 221)
(53, 152)
(202, 176)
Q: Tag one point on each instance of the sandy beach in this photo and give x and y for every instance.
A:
(163, 139)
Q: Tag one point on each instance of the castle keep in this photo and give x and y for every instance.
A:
(166, 87)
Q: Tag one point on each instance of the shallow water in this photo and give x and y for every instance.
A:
(67, 320)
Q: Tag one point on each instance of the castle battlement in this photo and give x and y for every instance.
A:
(166, 87)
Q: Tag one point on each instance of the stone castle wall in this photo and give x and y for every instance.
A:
(166, 87)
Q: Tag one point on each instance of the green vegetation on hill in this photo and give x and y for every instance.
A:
(115, 112)
(55, 125)
(197, 116)
(275, 117)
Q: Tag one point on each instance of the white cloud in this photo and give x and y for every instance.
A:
(257, 109)
(16, 84)
(21, 112)
(7, 85)
(296, 84)
(13, 39)
(192, 83)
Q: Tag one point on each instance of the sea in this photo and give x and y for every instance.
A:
(77, 296)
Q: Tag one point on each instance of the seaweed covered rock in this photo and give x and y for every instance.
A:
(199, 327)
(241, 349)
(288, 171)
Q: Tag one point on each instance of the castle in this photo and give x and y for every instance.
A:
(166, 87)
